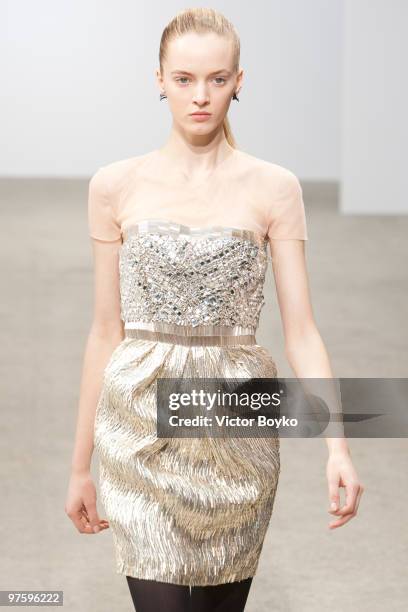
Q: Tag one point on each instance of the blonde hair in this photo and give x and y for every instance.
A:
(202, 20)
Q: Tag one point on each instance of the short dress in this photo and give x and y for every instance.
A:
(191, 263)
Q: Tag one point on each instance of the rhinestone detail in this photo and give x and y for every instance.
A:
(192, 276)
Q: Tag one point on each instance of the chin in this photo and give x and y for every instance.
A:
(201, 129)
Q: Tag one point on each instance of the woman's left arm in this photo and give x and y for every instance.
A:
(308, 357)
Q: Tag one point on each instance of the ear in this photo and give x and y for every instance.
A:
(159, 79)
(239, 80)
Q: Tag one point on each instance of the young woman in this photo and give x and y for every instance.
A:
(179, 239)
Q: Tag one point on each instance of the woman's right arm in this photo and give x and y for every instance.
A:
(105, 334)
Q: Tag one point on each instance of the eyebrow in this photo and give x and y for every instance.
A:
(191, 74)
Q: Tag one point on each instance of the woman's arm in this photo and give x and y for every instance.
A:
(308, 357)
(105, 334)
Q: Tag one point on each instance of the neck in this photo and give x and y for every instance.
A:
(196, 156)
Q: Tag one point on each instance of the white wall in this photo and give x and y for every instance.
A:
(375, 106)
(79, 91)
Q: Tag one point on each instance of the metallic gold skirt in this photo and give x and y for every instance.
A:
(191, 511)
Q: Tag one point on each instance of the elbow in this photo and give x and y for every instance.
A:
(111, 331)
(301, 341)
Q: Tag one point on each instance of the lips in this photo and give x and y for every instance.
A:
(200, 114)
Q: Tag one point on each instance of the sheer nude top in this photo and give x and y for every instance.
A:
(243, 192)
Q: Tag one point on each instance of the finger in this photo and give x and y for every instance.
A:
(103, 525)
(359, 494)
(334, 495)
(86, 526)
(93, 515)
(84, 520)
(341, 521)
(77, 519)
(352, 490)
(343, 518)
(347, 517)
(85, 513)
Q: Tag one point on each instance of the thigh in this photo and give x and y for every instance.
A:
(226, 597)
(151, 595)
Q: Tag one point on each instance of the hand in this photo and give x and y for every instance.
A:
(80, 505)
(341, 473)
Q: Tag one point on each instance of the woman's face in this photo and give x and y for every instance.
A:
(198, 76)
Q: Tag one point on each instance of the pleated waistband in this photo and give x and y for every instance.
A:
(190, 335)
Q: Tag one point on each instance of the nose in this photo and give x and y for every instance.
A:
(200, 94)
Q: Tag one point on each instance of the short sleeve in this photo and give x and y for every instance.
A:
(101, 219)
(287, 217)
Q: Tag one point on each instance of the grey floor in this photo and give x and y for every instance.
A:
(358, 277)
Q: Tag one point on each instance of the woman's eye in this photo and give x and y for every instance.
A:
(182, 80)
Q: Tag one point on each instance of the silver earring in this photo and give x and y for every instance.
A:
(162, 96)
(235, 97)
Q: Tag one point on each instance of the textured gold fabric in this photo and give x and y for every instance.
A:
(186, 511)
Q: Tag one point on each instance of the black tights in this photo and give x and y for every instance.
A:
(154, 596)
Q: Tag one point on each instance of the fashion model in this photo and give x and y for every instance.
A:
(180, 237)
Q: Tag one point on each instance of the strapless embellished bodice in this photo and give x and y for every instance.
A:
(179, 275)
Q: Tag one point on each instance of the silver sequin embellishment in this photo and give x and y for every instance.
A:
(176, 274)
